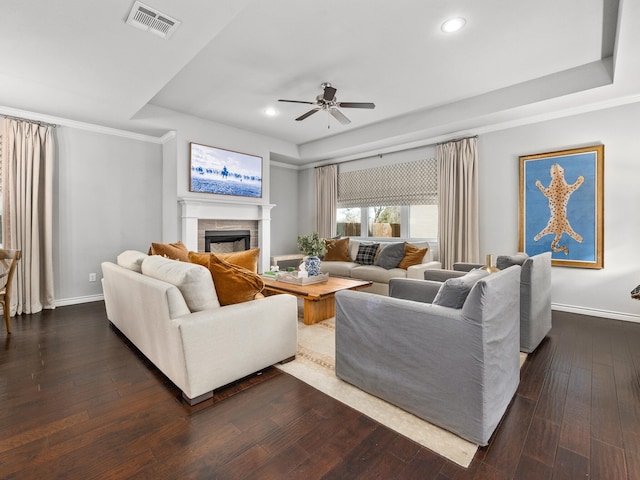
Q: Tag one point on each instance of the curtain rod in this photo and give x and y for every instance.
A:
(37, 122)
(380, 155)
(457, 140)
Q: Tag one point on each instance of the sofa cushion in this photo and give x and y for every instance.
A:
(377, 274)
(338, 269)
(413, 255)
(454, 291)
(193, 281)
(390, 255)
(245, 258)
(506, 261)
(234, 284)
(131, 260)
(337, 250)
(174, 251)
(367, 253)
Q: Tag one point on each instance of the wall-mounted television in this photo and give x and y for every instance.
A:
(224, 172)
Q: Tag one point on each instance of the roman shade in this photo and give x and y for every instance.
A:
(411, 183)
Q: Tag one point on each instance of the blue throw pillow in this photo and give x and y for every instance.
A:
(367, 253)
(390, 256)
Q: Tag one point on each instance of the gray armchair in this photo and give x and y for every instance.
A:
(455, 367)
(535, 293)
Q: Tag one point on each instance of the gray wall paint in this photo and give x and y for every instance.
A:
(284, 225)
(598, 292)
(107, 199)
(604, 292)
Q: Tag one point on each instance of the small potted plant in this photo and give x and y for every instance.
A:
(313, 246)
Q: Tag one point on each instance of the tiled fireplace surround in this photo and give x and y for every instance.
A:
(199, 215)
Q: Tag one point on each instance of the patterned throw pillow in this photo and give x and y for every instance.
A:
(367, 253)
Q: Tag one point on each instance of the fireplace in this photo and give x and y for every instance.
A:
(229, 214)
(224, 241)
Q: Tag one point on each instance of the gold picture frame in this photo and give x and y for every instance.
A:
(561, 206)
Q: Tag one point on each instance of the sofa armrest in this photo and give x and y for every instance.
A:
(442, 275)
(413, 289)
(417, 271)
(466, 266)
(237, 340)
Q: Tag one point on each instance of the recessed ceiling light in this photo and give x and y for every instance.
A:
(453, 24)
(271, 112)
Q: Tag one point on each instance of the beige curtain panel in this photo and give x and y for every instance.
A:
(458, 229)
(27, 220)
(326, 200)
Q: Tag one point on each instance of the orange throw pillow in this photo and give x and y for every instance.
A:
(246, 258)
(233, 284)
(337, 250)
(412, 256)
(174, 251)
(201, 258)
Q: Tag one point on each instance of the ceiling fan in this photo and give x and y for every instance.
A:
(327, 101)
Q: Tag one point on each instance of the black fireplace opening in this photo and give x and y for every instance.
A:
(226, 236)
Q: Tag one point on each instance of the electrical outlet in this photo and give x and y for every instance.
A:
(92, 277)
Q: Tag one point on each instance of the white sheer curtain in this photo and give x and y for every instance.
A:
(27, 186)
(326, 200)
(458, 231)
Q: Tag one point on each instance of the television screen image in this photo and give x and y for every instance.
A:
(224, 172)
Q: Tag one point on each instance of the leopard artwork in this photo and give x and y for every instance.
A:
(558, 194)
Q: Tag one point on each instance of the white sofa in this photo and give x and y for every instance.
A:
(169, 310)
(376, 274)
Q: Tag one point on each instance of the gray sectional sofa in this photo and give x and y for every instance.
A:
(377, 273)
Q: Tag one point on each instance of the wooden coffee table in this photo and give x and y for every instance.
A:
(319, 298)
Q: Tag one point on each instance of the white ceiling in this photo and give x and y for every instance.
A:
(232, 59)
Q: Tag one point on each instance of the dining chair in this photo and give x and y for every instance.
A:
(8, 261)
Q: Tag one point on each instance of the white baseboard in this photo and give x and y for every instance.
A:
(64, 302)
(627, 317)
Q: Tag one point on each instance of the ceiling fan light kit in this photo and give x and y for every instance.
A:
(328, 102)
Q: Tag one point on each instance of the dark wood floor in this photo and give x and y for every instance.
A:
(77, 402)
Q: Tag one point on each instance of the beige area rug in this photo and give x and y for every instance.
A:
(315, 365)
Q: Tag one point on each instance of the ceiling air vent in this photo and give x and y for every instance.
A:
(146, 18)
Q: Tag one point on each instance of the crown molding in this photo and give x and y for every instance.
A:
(92, 127)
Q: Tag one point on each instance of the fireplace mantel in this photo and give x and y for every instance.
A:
(193, 209)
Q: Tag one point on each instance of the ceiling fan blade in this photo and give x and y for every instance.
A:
(329, 93)
(308, 114)
(297, 101)
(338, 115)
(356, 105)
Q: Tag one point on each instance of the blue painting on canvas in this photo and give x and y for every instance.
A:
(224, 172)
(560, 198)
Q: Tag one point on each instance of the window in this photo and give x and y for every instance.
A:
(407, 221)
(392, 201)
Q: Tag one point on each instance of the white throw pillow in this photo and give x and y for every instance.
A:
(132, 260)
(194, 281)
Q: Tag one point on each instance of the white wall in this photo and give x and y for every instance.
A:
(284, 216)
(107, 199)
(599, 292)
